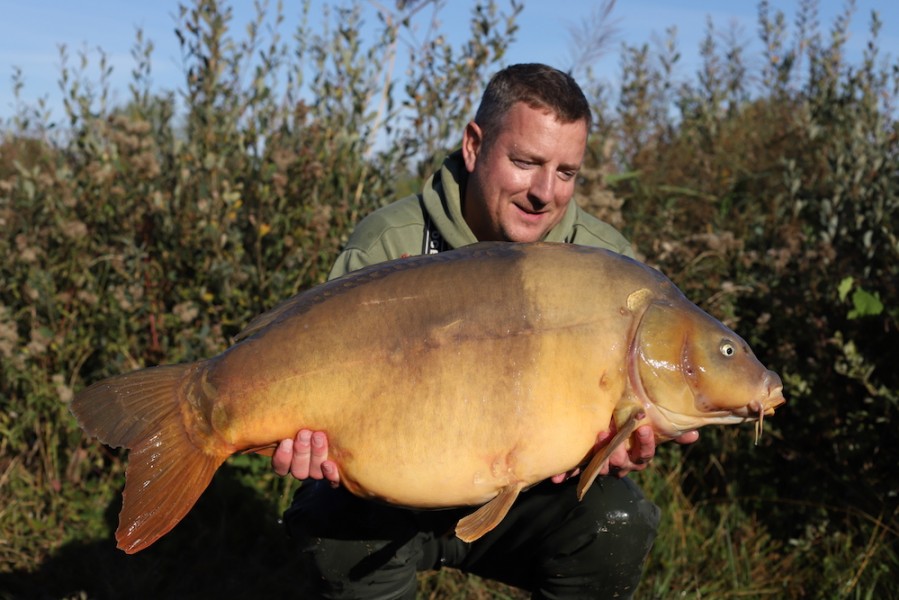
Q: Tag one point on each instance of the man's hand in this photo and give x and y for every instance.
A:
(306, 456)
(642, 450)
(623, 460)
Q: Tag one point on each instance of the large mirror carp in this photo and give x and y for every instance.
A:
(442, 381)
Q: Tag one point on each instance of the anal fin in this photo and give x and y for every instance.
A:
(591, 471)
(488, 516)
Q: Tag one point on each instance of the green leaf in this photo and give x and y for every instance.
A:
(844, 287)
(865, 304)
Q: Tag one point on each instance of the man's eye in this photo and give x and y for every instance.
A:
(567, 175)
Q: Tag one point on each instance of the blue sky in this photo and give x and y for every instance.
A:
(30, 33)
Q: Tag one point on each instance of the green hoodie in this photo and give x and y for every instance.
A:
(432, 221)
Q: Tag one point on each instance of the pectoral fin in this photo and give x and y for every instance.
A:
(591, 472)
(488, 516)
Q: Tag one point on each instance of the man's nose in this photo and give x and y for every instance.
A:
(543, 185)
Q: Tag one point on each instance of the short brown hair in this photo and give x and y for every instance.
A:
(537, 85)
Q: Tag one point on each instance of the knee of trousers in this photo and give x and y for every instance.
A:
(349, 548)
(604, 540)
(340, 568)
(617, 508)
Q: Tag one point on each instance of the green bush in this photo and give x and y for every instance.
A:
(145, 233)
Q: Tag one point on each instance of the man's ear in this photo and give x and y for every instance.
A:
(472, 144)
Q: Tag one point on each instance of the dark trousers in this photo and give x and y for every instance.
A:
(549, 543)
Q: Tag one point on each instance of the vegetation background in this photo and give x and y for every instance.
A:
(136, 234)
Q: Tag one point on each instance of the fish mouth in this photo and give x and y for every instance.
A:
(760, 409)
(757, 410)
(770, 398)
(775, 398)
(672, 423)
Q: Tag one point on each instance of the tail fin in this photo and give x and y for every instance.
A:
(145, 412)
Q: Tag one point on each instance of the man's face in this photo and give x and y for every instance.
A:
(521, 181)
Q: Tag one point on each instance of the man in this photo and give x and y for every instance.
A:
(512, 180)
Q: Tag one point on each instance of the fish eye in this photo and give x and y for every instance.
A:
(727, 348)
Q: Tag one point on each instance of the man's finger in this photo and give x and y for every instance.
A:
(645, 448)
(687, 438)
(281, 457)
(302, 454)
(319, 455)
(329, 470)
